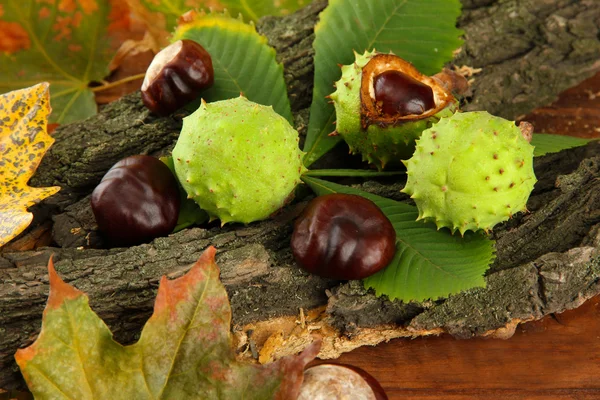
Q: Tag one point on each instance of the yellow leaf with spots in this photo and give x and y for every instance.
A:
(23, 142)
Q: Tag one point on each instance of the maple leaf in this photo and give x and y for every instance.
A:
(184, 352)
(23, 143)
(64, 42)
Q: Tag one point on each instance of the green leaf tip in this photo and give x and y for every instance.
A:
(545, 143)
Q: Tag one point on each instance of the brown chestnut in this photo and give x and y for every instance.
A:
(400, 94)
(342, 236)
(339, 381)
(176, 76)
(137, 200)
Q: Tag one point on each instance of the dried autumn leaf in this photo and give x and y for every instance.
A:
(64, 42)
(23, 143)
(184, 352)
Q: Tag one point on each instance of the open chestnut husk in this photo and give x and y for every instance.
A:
(177, 75)
(339, 381)
(342, 236)
(136, 201)
(383, 104)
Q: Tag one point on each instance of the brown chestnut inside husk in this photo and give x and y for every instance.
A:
(344, 237)
(177, 75)
(399, 94)
(339, 381)
(393, 91)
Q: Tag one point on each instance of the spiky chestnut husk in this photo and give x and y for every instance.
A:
(238, 160)
(383, 139)
(471, 171)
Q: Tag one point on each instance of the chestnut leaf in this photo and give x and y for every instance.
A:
(422, 32)
(65, 43)
(243, 62)
(23, 142)
(184, 351)
(428, 264)
(545, 143)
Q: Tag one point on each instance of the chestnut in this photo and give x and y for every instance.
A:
(176, 76)
(342, 236)
(339, 381)
(399, 94)
(136, 201)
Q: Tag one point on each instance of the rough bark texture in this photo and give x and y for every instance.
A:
(547, 260)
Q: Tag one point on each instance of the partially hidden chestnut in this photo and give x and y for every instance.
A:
(344, 237)
(137, 200)
(339, 381)
(177, 75)
(400, 94)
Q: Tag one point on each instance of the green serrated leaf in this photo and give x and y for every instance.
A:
(422, 32)
(184, 352)
(358, 173)
(547, 143)
(253, 10)
(429, 264)
(242, 60)
(63, 43)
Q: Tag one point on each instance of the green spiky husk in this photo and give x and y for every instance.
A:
(470, 172)
(379, 146)
(238, 160)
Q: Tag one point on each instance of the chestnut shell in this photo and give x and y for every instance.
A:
(342, 236)
(177, 75)
(332, 381)
(136, 201)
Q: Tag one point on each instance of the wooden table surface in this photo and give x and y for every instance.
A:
(555, 358)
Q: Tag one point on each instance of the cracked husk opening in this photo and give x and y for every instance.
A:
(369, 113)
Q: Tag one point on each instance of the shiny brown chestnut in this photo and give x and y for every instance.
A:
(176, 76)
(342, 236)
(137, 200)
(399, 94)
(339, 381)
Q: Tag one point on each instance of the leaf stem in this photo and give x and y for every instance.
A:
(117, 83)
(351, 173)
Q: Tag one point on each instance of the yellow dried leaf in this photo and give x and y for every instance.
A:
(23, 142)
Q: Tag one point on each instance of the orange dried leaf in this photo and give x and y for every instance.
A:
(23, 142)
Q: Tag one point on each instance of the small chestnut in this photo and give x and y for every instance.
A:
(342, 236)
(176, 76)
(136, 201)
(339, 381)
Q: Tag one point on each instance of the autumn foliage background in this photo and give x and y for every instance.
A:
(95, 51)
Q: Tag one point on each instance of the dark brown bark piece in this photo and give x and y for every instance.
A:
(257, 267)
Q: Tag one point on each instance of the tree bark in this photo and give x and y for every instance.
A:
(547, 260)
